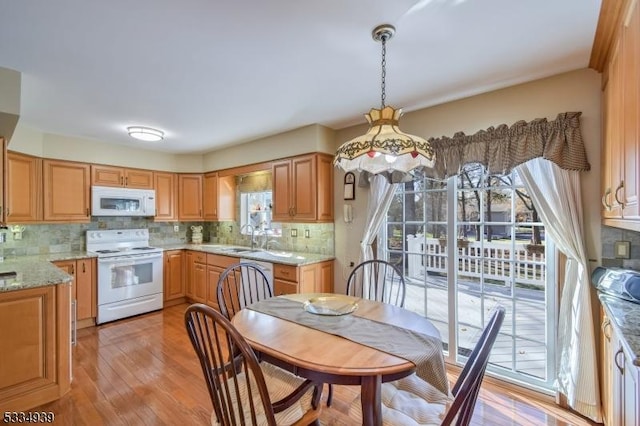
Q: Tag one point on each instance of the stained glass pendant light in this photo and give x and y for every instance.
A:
(384, 148)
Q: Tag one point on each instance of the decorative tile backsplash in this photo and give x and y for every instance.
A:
(609, 236)
(320, 237)
(61, 238)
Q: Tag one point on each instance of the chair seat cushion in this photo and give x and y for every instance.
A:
(280, 383)
(408, 402)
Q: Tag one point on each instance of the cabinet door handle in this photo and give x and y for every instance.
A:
(87, 211)
(621, 186)
(615, 359)
(126, 181)
(121, 180)
(83, 268)
(606, 205)
(73, 270)
(606, 325)
(74, 319)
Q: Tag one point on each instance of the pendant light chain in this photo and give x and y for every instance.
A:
(383, 39)
(384, 149)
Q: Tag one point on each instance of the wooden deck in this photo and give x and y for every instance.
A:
(520, 345)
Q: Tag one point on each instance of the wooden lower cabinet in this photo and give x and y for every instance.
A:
(200, 282)
(35, 361)
(314, 278)
(173, 277)
(196, 290)
(199, 277)
(204, 271)
(216, 264)
(83, 289)
(621, 379)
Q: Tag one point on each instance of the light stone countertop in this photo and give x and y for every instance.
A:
(38, 271)
(625, 318)
(31, 272)
(273, 256)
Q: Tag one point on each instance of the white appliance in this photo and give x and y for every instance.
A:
(129, 273)
(112, 201)
(267, 269)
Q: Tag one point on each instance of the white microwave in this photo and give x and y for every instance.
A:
(111, 201)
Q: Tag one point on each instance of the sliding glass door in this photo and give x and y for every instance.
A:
(466, 245)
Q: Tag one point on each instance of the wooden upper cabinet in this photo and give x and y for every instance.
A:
(621, 118)
(303, 189)
(123, 177)
(166, 186)
(612, 147)
(304, 186)
(189, 196)
(282, 197)
(630, 74)
(23, 198)
(210, 196)
(325, 171)
(219, 197)
(67, 186)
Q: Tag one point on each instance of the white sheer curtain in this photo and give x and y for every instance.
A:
(556, 194)
(380, 196)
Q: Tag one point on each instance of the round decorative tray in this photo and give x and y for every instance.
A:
(330, 305)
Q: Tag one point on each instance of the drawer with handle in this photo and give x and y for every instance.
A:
(285, 272)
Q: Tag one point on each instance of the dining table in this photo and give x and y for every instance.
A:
(352, 342)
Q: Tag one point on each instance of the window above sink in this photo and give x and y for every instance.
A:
(255, 211)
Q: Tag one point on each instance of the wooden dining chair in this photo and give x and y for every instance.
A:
(377, 280)
(239, 285)
(242, 390)
(412, 401)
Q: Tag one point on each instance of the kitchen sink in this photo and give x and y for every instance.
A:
(280, 253)
(240, 250)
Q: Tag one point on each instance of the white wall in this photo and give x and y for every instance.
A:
(573, 91)
(313, 138)
(31, 141)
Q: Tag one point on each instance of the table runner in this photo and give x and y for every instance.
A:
(423, 350)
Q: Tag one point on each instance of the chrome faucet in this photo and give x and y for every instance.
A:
(248, 226)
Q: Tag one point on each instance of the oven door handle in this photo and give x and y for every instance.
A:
(130, 259)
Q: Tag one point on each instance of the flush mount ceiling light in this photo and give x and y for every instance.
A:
(145, 133)
(384, 148)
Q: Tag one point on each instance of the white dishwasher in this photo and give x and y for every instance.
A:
(267, 269)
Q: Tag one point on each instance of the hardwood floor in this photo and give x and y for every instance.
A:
(143, 371)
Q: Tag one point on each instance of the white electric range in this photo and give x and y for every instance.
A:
(129, 273)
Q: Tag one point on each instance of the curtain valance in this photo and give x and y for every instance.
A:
(502, 148)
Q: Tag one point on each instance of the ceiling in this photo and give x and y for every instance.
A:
(215, 73)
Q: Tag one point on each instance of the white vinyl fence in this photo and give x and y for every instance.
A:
(491, 260)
